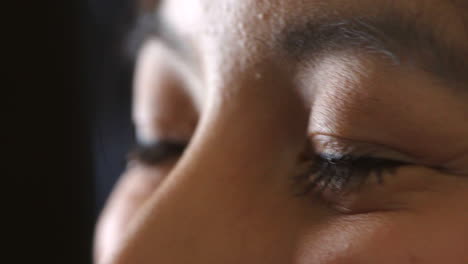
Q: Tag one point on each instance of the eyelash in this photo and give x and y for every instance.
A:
(156, 153)
(339, 173)
(343, 173)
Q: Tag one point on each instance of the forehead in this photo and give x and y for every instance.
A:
(194, 14)
(247, 20)
(240, 33)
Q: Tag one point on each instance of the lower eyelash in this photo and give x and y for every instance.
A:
(341, 173)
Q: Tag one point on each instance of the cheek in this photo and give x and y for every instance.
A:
(431, 236)
(132, 191)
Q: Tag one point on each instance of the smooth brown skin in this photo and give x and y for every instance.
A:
(248, 111)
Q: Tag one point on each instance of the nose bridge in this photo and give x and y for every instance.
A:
(248, 125)
(232, 147)
(225, 183)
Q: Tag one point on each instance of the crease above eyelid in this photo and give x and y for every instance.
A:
(344, 145)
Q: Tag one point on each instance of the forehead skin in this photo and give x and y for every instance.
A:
(237, 34)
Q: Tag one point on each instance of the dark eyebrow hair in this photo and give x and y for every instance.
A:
(149, 25)
(143, 27)
(400, 39)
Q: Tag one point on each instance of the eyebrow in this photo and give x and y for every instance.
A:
(399, 39)
(149, 25)
(391, 35)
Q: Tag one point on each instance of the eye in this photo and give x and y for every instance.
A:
(165, 110)
(156, 153)
(345, 173)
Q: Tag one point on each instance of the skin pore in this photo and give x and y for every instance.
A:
(257, 90)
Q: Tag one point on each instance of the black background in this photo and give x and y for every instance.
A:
(107, 94)
(66, 123)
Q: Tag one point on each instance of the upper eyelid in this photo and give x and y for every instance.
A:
(345, 172)
(344, 145)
